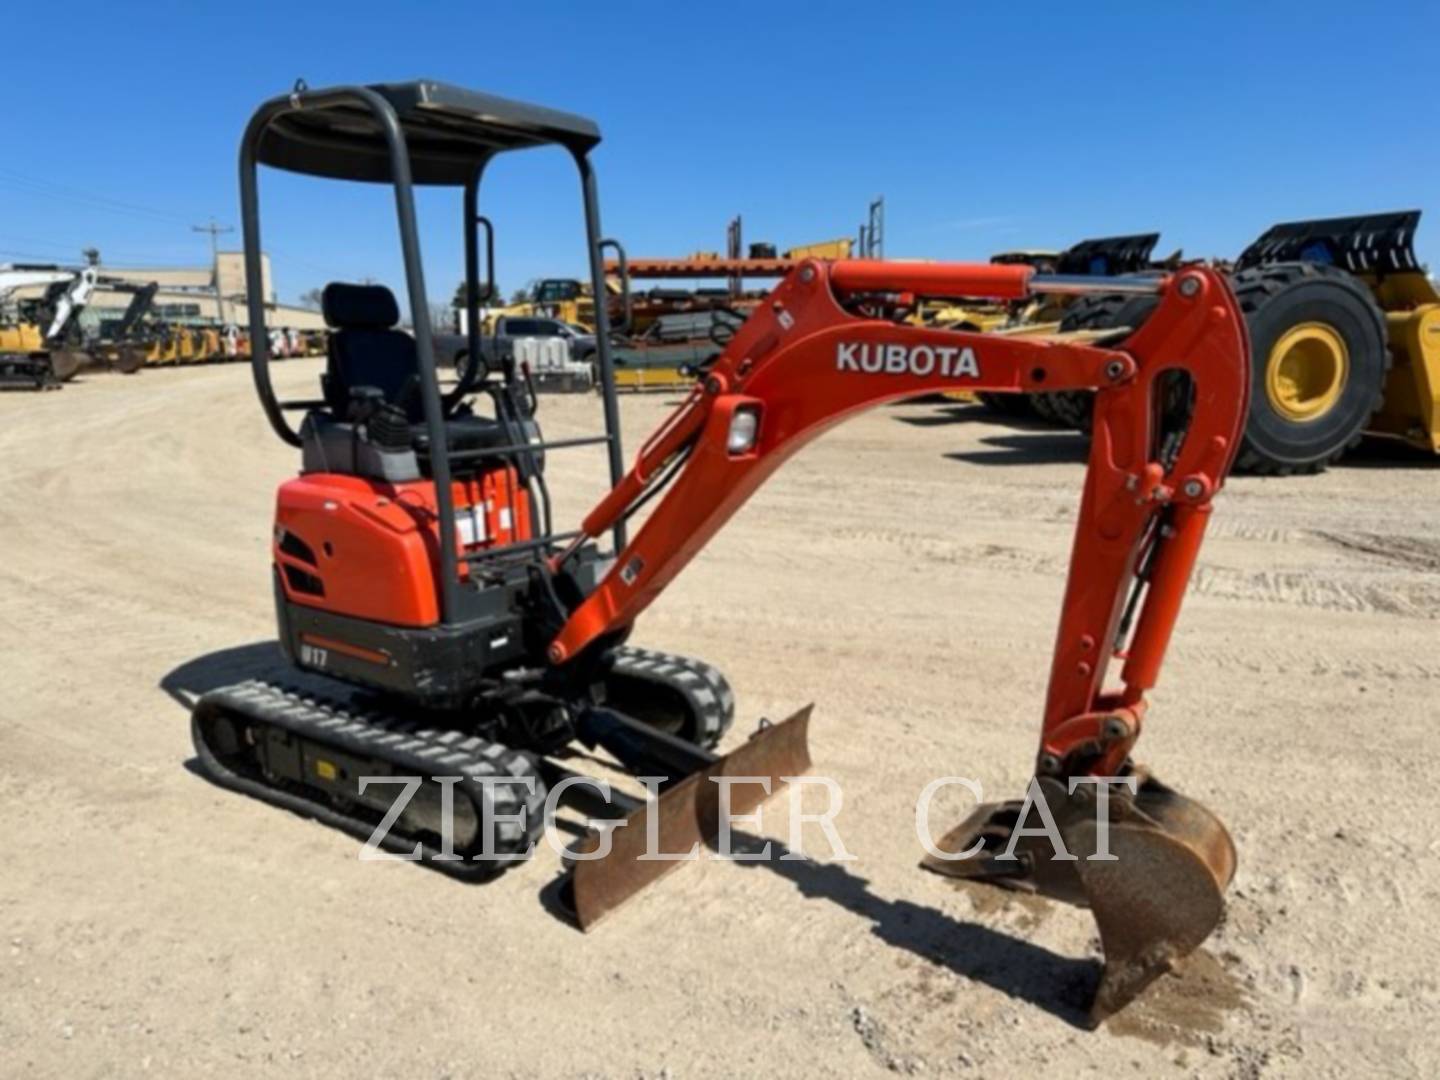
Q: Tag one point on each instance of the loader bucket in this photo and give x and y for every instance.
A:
(1368, 244)
(1109, 256)
(683, 816)
(1157, 897)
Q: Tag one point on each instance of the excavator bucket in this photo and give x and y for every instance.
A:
(65, 364)
(686, 814)
(1156, 897)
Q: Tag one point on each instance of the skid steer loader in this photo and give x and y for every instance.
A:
(467, 644)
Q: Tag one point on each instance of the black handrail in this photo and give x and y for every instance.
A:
(399, 154)
(602, 328)
(626, 304)
(554, 540)
(536, 447)
(433, 403)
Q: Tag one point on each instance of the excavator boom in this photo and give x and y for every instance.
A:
(1170, 404)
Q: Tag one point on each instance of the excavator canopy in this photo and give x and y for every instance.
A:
(449, 131)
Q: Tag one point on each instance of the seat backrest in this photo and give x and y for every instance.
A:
(365, 349)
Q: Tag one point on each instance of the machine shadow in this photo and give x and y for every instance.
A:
(258, 660)
(1047, 447)
(1388, 454)
(1061, 986)
(956, 412)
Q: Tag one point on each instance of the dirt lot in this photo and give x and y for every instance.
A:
(904, 574)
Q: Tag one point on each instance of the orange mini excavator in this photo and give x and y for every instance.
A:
(470, 646)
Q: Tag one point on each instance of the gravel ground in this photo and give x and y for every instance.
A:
(903, 574)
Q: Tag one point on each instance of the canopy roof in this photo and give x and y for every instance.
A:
(449, 130)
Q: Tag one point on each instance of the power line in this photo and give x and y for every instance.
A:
(31, 244)
(48, 188)
(215, 231)
(31, 185)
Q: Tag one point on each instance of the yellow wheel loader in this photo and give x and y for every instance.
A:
(1364, 359)
(1345, 329)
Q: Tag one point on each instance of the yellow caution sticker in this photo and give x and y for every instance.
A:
(326, 770)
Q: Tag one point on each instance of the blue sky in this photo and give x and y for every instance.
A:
(985, 127)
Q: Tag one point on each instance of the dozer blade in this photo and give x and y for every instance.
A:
(1157, 897)
(681, 817)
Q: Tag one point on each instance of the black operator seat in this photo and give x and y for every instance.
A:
(365, 350)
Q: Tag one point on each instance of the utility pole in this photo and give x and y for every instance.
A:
(871, 237)
(733, 250)
(215, 231)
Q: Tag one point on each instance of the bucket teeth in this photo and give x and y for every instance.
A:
(685, 814)
(1156, 897)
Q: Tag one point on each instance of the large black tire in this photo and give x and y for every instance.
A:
(1069, 408)
(1276, 299)
(1108, 311)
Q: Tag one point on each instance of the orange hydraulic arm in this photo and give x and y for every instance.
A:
(803, 362)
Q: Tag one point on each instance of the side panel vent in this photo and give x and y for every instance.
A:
(303, 582)
(296, 548)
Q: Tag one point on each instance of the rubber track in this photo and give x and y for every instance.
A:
(23, 371)
(704, 688)
(410, 748)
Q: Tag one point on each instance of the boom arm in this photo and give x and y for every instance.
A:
(80, 284)
(802, 363)
(70, 302)
(20, 277)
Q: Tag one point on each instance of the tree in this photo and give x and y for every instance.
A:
(520, 296)
(458, 303)
(442, 318)
(310, 298)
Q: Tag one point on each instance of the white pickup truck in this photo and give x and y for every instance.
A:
(559, 356)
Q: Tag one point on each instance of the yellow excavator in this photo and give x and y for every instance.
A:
(35, 347)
